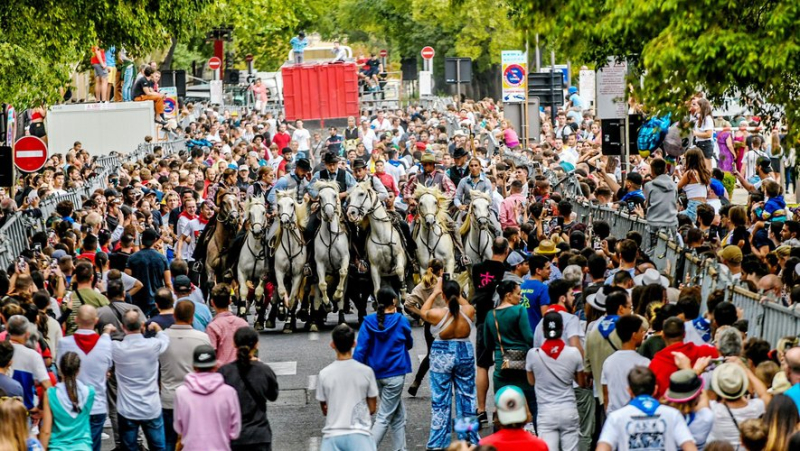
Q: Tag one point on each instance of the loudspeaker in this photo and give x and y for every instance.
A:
(409, 68)
(6, 166)
(174, 78)
(231, 77)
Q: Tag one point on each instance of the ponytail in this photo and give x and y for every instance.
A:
(69, 367)
(386, 298)
(452, 292)
(245, 339)
(431, 274)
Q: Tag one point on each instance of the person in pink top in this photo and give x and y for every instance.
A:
(221, 329)
(260, 94)
(510, 136)
(207, 413)
(513, 206)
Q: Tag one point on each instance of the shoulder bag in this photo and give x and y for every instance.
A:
(513, 359)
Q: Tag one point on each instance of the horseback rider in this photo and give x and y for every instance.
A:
(460, 168)
(476, 180)
(432, 177)
(297, 180)
(358, 238)
(332, 173)
(263, 186)
(225, 185)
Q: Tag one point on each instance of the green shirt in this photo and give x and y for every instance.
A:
(70, 434)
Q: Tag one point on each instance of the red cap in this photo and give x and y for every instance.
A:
(421, 145)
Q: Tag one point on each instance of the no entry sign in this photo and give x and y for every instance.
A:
(30, 153)
(427, 53)
(384, 53)
(214, 63)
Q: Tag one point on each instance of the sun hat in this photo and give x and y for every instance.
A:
(651, 276)
(597, 300)
(684, 386)
(572, 90)
(729, 381)
(779, 383)
(546, 247)
(511, 405)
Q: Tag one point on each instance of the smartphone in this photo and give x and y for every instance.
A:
(37, 248)
(598, 245)
(446, 277)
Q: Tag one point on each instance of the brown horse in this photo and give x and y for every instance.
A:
(227, 224)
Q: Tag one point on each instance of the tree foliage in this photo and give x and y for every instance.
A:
(43, 41)
(728, 49)
(478, 29)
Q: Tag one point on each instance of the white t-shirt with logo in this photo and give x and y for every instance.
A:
(192, 230)
(629, 428)
(345, 386)
(554, 389)
(303, 138)
(615, 374)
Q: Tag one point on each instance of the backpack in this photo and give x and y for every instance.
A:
(652, 133)
(673, 143)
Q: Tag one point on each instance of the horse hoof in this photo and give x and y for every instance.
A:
(327, 307)
(269, 325)
(287, 328)
(259, 326)
(313, 328)
(302, 315)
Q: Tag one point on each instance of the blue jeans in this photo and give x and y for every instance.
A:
(127, 83)
(153, 432)
(391, 412)
(452, 364)
(96, 423)
(170, 437)
(348, 442)
(691, 210)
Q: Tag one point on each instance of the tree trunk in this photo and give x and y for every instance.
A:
(167, 63)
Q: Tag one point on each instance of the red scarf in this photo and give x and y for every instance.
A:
(201, 220)
(86, 342)
(185, 214)
(553, 347)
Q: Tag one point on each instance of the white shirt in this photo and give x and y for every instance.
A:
(192, 230)
(136, 360)
(128, 282)
(554, 390)
(701, 425)
(368, 138)
(665, 430)
(724, 427)
(303, 138)
(381, 126)
(272, 126)
(345, 386)
(569, 155)
(708, 125)
(94, 366)
(395, 171)
(615, 375)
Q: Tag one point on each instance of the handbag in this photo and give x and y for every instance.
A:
(513, 359)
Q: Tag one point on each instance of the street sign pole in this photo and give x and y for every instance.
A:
(552, 89)
(458, 83)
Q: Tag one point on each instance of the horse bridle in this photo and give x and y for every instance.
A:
(419, 213)
(336, 206)
(228, 218)
(361, 210)
(262, 225)
(289, 215)
(483, 225)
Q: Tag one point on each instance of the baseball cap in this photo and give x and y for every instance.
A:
(244, 167)
(252, 154)
(149, 236)
(552, 325)
(514, 259)
(511, 405)
(182, 283)
(58, 253)
(572, 90)
(731, 253)
(204, 357)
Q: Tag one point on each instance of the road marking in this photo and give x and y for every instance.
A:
(312, 382)
(313, 336)
(283, 368)
(313, 443)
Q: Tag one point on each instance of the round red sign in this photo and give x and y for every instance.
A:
(384, 53)
(30, 153)
(427, 53)
(214, 63)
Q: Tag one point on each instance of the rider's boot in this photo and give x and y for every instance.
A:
(462, 261)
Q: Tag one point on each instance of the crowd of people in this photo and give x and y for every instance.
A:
(589, 346)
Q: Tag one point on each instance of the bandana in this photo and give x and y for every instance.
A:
(185, 214)
(646, 404)
(703, 327)
(86, 342)
(553, 347)
(557, 308)
(607, 325)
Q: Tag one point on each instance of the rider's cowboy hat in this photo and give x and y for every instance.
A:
(303, 164)
(330, 158)
(460, 152)
(546, 247)
(459, 132)
(649, 277)
(428, 158)
(358, 163)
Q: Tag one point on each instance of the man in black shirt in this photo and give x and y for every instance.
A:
(486, 275)
(143, 91)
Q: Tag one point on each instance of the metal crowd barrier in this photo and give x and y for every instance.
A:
(14, 234)
(768, 320)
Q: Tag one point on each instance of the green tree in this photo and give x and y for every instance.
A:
(44, 41)
(747, 50)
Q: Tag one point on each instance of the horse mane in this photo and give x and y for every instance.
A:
(320, 184)
(473, 194)
(442, 203)
(301, 213)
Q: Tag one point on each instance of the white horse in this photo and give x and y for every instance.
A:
(475, 229)
(331, 247)
(290, 251)
(252, 264)
(432, 229)
(384, 244)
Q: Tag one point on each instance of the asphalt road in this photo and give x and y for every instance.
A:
(296, 417)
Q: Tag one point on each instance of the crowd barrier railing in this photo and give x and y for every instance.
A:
(19, 227)
(768, 319)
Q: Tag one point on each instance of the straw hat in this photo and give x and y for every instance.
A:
(729, 381)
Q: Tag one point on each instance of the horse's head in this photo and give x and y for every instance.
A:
(330, 206)
(480, 208)
(430, 202)
(360, 202)
(287, 207)
(229, 209)
(257, 216)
